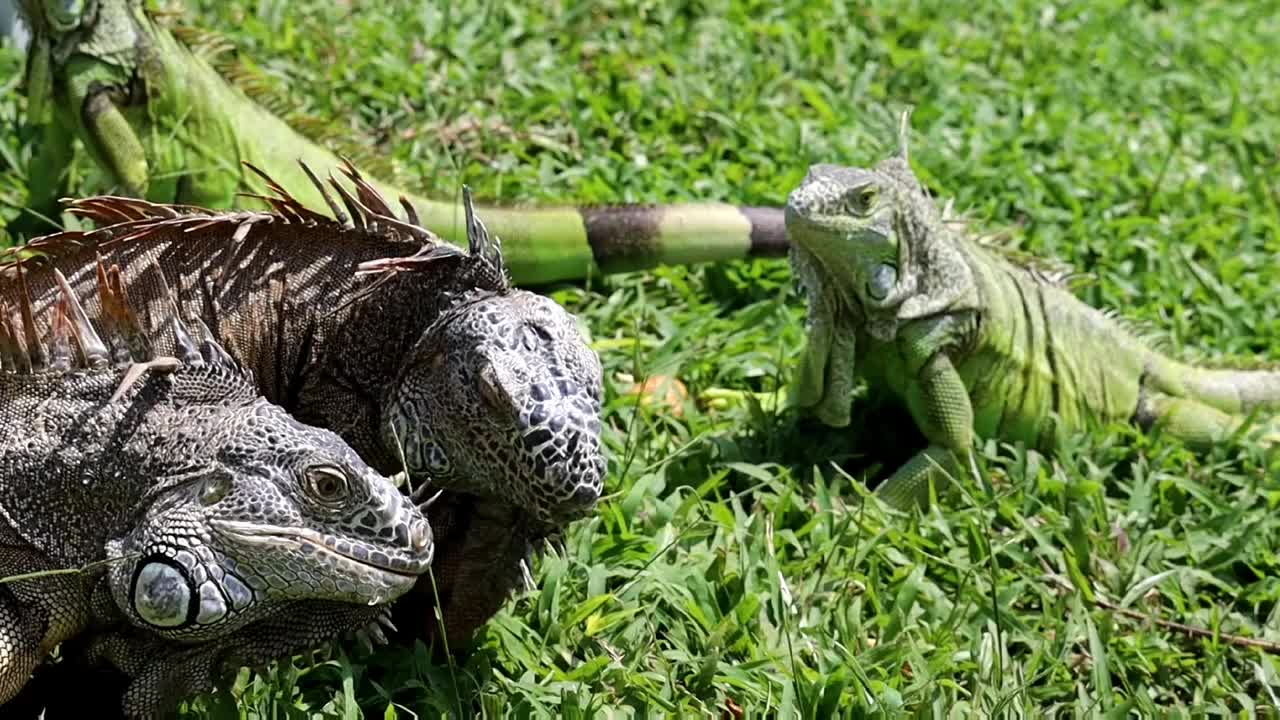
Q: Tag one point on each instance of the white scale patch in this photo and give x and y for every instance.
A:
(241, 596)
(213, 607)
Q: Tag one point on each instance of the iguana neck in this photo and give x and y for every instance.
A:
(358, 355)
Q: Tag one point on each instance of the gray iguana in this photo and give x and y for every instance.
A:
(420, 355)
(970, 342)
(167, 125)
(161, 493)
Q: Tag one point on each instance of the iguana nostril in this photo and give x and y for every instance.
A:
(584, 496)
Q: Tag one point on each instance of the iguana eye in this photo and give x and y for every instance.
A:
(860, 200)
(215, 489)
(327, 484)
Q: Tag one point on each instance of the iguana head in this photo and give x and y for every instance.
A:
(847, 219)
(876, 236)
(261, 509)
(57, 16)
(236, 506)
(501, 396)
(105, 30)
(107, 27)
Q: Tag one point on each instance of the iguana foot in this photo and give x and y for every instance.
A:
(1197, 424)
(910, 483)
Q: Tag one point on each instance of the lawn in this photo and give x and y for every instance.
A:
(737, 567)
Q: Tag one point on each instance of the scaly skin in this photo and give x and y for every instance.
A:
(421, 356)
(972, 344)
(194, 511)
(166, 126)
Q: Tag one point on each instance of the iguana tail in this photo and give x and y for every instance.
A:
(541, 243)
(548, 244)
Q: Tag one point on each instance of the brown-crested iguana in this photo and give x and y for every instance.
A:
(972, 343)
(167, 126)
(420, 355)
(159, 495)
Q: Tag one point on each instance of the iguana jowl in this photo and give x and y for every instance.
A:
(421, 356)
(167, 126)
(970, 342)
(195, 510)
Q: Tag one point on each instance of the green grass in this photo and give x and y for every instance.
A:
(736, 562)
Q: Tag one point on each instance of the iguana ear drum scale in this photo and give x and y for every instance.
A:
(194, 511)
(164, 595)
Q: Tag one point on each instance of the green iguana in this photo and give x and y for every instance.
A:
(161, 494)
(164, 123)
(420, 355)
(970, 342)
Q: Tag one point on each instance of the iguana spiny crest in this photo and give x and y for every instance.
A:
(213, 505)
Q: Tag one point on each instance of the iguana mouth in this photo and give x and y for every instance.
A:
(307, 541)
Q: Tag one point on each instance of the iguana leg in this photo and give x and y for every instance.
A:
(941, 409)
(945, 417)
(1198, 425)
(35, 614)
(107, 131)
(21, 629)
